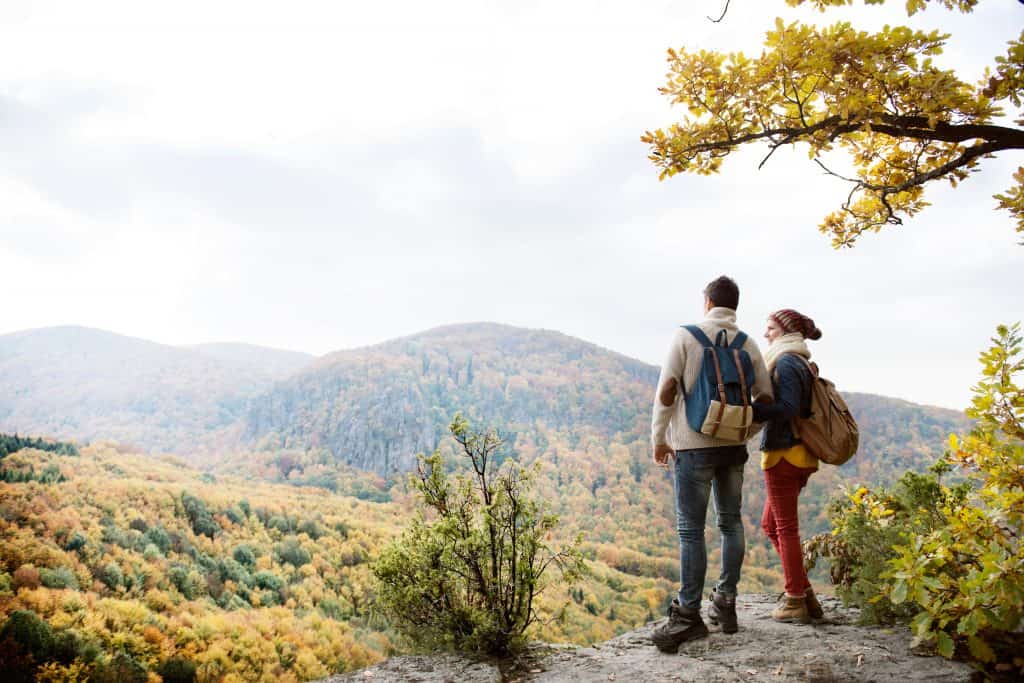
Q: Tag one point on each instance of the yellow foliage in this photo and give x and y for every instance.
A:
(903, 121)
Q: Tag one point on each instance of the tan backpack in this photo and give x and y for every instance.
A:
(830, 433)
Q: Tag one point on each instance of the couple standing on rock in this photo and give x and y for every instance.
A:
(780, 384)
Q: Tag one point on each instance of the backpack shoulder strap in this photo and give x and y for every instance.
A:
(699, 335)
(738, 341)
(807, 364)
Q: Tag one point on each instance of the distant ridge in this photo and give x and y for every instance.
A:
(278, 363)
(86, 383)
(372, 407)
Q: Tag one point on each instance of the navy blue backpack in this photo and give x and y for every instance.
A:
(718, 404)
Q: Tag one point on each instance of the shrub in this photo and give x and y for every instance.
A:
(31, 633)
(62, 577)
(268, 580)
(243, 554)
(51, 475)
(954, 561)
(177, 670)
(188, 581)
(232, 570)
(199, 517)
(292, 552)
(332, 609)
(66, 646)
(158, 537)
(466, 579)
(121, 669)
(26, 576)
(280, 523)
(76, 542)
(112, 576)
(311, 528)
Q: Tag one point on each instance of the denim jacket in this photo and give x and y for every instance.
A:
(791, 382)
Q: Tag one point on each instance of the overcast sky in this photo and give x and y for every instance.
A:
(323, 175)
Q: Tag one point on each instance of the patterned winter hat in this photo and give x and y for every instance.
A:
(794, 321)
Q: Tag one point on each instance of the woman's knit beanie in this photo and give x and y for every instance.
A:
(793, 321)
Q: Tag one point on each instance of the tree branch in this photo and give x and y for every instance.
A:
(722, 15)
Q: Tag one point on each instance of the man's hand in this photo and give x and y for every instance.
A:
(662, 453)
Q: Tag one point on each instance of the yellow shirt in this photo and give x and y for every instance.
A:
(798, 456)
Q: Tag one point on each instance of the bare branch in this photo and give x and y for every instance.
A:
(722, 15)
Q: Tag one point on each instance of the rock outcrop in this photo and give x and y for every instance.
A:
(835, 649)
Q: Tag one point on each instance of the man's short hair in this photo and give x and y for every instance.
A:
(723, 291)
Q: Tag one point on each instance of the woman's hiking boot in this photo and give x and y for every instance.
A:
(722, 611)
(792, 610)
(683, 624)
(813, 606)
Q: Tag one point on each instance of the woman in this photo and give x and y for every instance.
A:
(786, 463)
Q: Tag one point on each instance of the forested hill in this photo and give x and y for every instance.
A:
(84, 383)
(376, 407)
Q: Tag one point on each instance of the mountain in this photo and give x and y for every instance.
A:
(86, 383)
(276, 363)
(376, 407)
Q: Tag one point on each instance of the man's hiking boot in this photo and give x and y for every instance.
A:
(683, 624)
(813, 606)
(722, 611)
(792, 610)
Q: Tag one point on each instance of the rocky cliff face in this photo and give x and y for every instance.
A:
(833, 650)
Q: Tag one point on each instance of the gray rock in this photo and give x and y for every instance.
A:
(834, 650)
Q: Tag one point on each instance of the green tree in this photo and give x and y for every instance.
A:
(466, 573)
(904, 121)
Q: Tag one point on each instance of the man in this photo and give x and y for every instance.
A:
(702, 464)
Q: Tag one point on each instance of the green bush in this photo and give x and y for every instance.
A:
(31, 633)
(232, 570)
(188, 581)
(280, 523)
(76, 542)
(120, 669)
(311, 528)
(268, 580)
(292, 552)
(199, 517)
(158, 537)
(67, 646)
(955, 561)
(112, 576)
(467, 577)
(177, 670)
(62, 577)
(243, 554)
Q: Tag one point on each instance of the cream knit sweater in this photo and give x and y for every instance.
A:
(668, 423)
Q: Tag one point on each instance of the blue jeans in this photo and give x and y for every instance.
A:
(698, 472)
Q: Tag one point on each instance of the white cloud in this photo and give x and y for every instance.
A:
(334, 174)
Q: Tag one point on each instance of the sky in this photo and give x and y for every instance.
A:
(325, 175)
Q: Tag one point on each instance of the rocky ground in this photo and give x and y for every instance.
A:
(835, 649)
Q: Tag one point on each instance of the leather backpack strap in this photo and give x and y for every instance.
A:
(721, 393)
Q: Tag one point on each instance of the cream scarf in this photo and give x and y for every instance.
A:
(791, 342)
